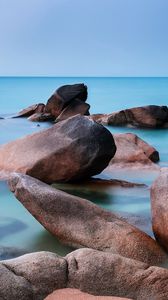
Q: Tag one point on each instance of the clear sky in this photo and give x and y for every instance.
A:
(84, 37)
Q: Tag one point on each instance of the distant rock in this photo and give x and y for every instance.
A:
(73, 149)
(151, 116)
(79, 223)
(27, 112)
(159, 203)
(63, 96)
(75, 107)
(10, 252)
(41, 117)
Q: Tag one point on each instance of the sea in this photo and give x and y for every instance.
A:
(18, 229)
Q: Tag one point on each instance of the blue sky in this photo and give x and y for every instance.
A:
(84, 37)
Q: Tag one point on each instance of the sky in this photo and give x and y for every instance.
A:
(83, 37)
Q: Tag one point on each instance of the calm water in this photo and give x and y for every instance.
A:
(17, 227)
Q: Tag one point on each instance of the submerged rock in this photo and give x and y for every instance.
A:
(74, 294)
(151, 116)
(70, 150)
(159, 202)
(63, 96)
(10, 252)
(79, 223)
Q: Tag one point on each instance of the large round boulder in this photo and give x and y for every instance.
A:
(70, 150)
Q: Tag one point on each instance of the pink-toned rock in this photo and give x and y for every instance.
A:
(74, 108)
(70, 150)
(41, 117)
(131, 149)
(36, 108)
(151, 116)
(79, 223)
(74, 294)
(159, 203)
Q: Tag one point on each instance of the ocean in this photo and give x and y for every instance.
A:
(17, 227)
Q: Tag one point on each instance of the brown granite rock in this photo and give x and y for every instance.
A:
(70, 150)
(63, 96)
(32, 276)
(79, 223)
(159, 203)
(36, 108)
(131, 149)
(74, 294)
(74, 108)
(106, 274)
(151, 116)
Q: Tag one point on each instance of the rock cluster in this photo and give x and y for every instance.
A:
(67, 101)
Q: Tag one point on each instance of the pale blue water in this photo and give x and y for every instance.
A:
(17, 227)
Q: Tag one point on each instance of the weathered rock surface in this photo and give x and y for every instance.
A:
(32, 276)
(159, 203)
(36, 275)
(74, 294)
(70, 150)
(80, 223)
(131, 149)
(151, 116)
(63, 96)
(74, 108)
(102, 273)
(27, 112)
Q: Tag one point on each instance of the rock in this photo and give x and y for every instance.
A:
(112, 182)
(63, 96)
(131, 149)
(75, 107)
(74, 294)
(79, 223)
(32, 276)
(105, 274)
(10, 252)
(159, 203)
(27, 112)
(70, 150)
(151, 116)
(41, 117)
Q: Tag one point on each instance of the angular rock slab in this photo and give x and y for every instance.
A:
(27, 112)
(74, 108)
(74, 294)
(70, 150)
(63, 96)
(151, 116)
(159, 203)
(79, 223)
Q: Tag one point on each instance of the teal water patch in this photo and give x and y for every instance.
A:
(19, 229)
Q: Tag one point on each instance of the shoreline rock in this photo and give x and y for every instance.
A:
(69, 150)
(78, 223)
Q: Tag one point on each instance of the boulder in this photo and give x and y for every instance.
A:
(105, 274)
(27, 112)
(79, 223)
(41, 117)
(74, 108)
(74, 294)
(151, 116)
(159, 203)
(32, 276)
(63, 96)
(70, 150)
(131, 149)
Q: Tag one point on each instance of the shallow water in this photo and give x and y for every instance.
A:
(17, 227)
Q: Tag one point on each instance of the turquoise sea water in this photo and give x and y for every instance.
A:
(17, 227)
